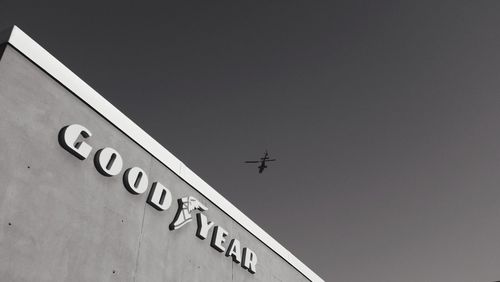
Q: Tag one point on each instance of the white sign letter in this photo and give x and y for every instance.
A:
(203, 226)
(68, 137)
(135, 180)
(249, 260)
(160, 197)
(108, 162)
(234, 250)
(218, 238)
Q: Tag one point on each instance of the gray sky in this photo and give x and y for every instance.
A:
(384, 117)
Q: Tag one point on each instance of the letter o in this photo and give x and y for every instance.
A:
(108, 161)
(135, 180)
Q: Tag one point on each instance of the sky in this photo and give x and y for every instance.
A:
(383, 115)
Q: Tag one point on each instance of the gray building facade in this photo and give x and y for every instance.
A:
(86, 195)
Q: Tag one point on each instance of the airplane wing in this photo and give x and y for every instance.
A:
(252, 162)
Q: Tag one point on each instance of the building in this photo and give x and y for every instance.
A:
(87, 195)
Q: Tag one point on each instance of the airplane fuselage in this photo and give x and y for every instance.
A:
(262, 166)
(262, 162)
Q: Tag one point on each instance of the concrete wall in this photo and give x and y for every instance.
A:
(61, 220)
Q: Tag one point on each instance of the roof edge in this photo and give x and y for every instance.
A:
(43, 59)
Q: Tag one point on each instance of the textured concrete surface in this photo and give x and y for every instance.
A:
(61, 220)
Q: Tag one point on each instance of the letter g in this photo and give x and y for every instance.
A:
(68, 137)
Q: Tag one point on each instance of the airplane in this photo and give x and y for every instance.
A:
(262, 162)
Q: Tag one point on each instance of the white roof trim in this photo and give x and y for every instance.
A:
(27, 46)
